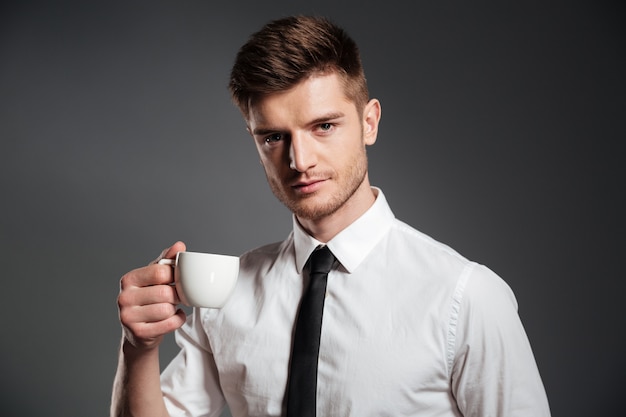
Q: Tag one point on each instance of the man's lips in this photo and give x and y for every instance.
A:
(308, 186)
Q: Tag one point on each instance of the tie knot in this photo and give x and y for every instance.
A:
(322, 260)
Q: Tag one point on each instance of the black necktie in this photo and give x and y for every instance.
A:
(306, 343)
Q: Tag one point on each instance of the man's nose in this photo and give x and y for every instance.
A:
(302, 154)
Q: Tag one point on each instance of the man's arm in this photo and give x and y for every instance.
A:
(147, 308)
(136, 389)
(494, 370)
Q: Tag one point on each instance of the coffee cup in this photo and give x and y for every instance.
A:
(204, 279)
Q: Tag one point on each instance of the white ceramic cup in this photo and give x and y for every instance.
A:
(204, 279)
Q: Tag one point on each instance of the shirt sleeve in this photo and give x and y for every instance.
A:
(190, 383)
(494, 372)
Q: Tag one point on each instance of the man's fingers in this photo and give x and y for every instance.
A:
(147, 333)
(147, 301)
(140, 296)
(151, 313)
(171, 252)
(138, 317)
(147, 276)
(153, 274)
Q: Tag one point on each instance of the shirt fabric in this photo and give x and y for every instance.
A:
(410, 328)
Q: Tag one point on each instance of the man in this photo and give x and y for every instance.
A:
(409, 327)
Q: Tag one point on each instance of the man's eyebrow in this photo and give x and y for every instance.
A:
(327, 117)
(264, 131)
(321, 119)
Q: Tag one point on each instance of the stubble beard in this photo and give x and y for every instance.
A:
(305, 208)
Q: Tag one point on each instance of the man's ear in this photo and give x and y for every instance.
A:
(371, 118)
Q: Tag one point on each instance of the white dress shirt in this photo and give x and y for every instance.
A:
(410, 328)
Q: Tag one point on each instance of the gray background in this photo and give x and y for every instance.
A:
(502, 135)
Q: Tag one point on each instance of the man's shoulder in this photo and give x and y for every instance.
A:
(418, 251)
(416, 240)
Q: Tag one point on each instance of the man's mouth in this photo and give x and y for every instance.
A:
(308, 186)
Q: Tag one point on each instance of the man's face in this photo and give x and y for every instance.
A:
(311, 140)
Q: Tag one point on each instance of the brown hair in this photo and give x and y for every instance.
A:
(289, 50)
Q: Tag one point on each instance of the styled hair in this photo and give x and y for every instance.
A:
(289, 50)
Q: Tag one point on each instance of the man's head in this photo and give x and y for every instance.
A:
(286, 51)
(299, 84)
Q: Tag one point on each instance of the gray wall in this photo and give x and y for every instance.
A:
(502, 131)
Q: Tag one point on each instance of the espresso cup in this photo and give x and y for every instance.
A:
(204, 279)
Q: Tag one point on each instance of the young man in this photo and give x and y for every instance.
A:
(409, 327)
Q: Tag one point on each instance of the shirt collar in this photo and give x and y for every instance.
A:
(354, 243)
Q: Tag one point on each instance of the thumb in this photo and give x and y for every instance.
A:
(171, 252)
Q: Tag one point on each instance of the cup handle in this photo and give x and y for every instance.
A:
(165, 261)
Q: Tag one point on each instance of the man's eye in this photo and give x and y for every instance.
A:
(273, 138)
(326, 126)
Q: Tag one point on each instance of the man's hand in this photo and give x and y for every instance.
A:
(148, 301)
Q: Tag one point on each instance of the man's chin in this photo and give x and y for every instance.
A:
(309, 210)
